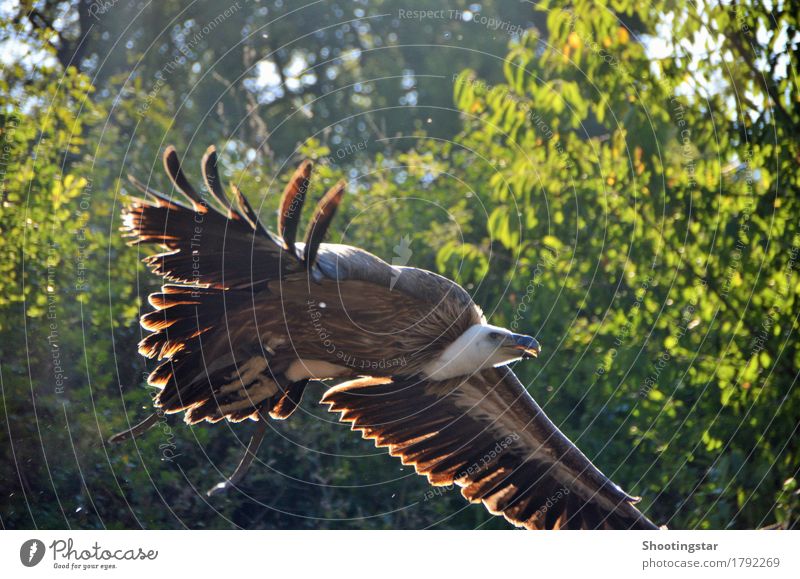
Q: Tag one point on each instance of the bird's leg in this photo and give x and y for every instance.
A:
(143, 426)
(244, 464)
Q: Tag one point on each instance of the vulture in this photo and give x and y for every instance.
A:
(247, 317)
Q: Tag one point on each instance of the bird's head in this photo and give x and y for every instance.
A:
(481, 346)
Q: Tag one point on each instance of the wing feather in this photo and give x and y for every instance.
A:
(486, 434)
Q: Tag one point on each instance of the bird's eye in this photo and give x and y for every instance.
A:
(495, 335)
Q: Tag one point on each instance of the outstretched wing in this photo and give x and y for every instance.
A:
(217, 360)
(212, 242)
(486, 434)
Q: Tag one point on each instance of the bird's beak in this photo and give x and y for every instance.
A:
(529, 347)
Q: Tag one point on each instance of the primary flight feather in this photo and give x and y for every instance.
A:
(249, 317)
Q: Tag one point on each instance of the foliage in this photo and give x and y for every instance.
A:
(669, 223)
(615, 195)
(244, 69)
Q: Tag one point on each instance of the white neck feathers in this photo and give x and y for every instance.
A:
(471, 352)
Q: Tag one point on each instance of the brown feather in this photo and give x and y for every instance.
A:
(245, 210)
(172, 166)
(161, 199)
(214, 184)
(321, 221)
(291, 207)
(288, 400)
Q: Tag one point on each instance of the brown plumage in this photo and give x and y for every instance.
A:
(249, 317)
(291, 208)
(517, 463)
(213, 183)
(321, 221)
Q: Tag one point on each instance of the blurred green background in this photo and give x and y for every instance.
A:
(618, 178)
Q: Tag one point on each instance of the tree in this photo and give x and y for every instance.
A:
(668, 245)
(242, 70)
(613, 194)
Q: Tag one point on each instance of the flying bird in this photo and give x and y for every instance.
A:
(248, 317)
